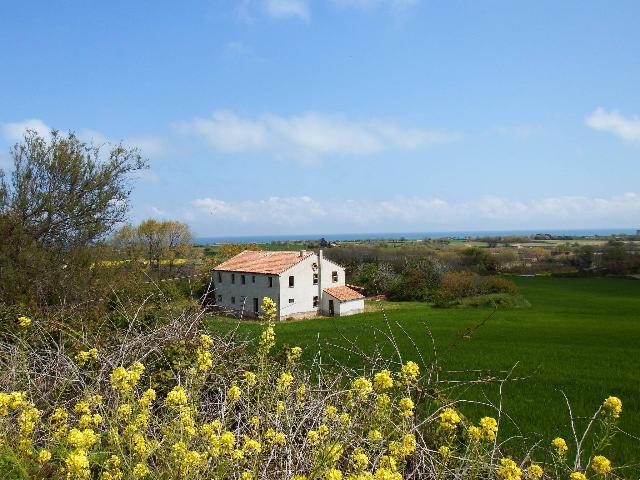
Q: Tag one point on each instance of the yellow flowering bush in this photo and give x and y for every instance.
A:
(258, 414)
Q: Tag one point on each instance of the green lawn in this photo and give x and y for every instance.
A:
(581, 336)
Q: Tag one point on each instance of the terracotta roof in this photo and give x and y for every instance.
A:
(262, 262)
(343, 293)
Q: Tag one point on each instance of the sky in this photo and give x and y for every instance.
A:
(343, 116)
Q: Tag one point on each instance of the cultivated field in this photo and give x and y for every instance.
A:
(580, 336)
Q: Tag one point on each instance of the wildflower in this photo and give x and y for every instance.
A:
(359, 459)
(206, 341)
(294, 354)
(509, 470)
(409, 443)
(374, 435)
(410, 372)
(85, 356)
(82, 439)
(140, 471)
(204, 360)
(313, 436)
(148, 397)
(233, 394)
(474, 433)
(23, 321)
(386, 474)
(489, 427)
(383, 401)
(333, 474)
(534, 471)
(280, 407)
(125, 380)
(250, 378)
(284, 382)
(560, 445)
(382, 380)
(124, 410)
(601, 465)
(44, 456)
(612, 407)
(577, 476)
(323, 430)
(300, 393)
(388, 463)
(299, 477)
(77, 464)
(227, 441)
(82, 408)
(345, 419)
(333, 452)
(444, 451)
(449, 419)
(330, 412)
(250, 445)
(362, 386)
(275, 438)
(177, 396)
(406, 407)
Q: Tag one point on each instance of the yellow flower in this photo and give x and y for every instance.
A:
(124, 410)
(250, 445)
(449, 419)
(444, 451)
(206, 341)
(23, 321)
(345, 419)
(509, 470)
(275, 438)
(333, 474)
(85, 356)
(374, 435)
(612, 407)
(204, 360)
(474, 433)
(140, 471)
(313, 436)
(125, 380)
(410, 372)
(148, 397)
(601, 465)
(82, 408)
(560, 445)
(77, 464)
(299, 477)
(44, 456)
(359, 459)
(362, 386)
(406, 407)
(577, 476)
(250, 378)
(177, 396)
(489, 427)
(294, 354)
(233, 394)
(330, 412)
(383, 473)
(382, 380)
(284, 382)
(534, 471)
(82, 439)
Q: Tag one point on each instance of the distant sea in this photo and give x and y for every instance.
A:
(413, 235)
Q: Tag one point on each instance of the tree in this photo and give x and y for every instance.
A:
(64, 195)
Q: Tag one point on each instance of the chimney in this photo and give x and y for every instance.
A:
(302, 253)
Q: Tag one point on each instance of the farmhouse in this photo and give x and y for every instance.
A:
(303, 284)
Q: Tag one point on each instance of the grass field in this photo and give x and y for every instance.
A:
(580, 336)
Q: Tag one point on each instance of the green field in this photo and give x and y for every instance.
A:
(580, 336)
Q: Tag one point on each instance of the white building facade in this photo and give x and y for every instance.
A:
(303, 284)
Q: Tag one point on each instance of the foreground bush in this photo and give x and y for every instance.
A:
(174, 403)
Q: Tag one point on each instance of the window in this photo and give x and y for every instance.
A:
(253, 279)
(315, 278)
(315, 301)
(233, 299)
(291, 281)
(219, 298)
(243, 279)
(219, 277)
(334, 276)
(270, 282)
(255, 305)
(291, 300)
(233, 278)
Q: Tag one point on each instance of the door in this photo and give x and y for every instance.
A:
(255, 306)
(332, 311)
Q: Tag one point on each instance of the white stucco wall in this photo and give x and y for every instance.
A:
(302, 292)
(351, 307)
(260, 289)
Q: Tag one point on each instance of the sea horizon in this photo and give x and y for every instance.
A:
(584, 232)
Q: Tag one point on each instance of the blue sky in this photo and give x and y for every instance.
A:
(325, 116)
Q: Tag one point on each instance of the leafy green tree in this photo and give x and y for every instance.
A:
(63, 196)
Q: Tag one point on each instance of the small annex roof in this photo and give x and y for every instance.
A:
(274, 263)
(343, 293)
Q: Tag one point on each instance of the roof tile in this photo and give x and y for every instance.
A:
(262, 262)
(343, 293)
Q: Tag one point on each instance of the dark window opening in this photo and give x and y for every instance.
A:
(233, 299)
(291, 300)
(315, 278)
(243, 279)
(219, 277)
(315, 301)
(253, 279)
(233, 278)
(255, 305)
(334, 276)
(270, 282)
(291, 281)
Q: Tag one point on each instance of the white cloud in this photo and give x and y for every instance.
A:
(309, 136)
(627, 128)
(14, 132)
(369, 4)
(287, 8)
(412, 213)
